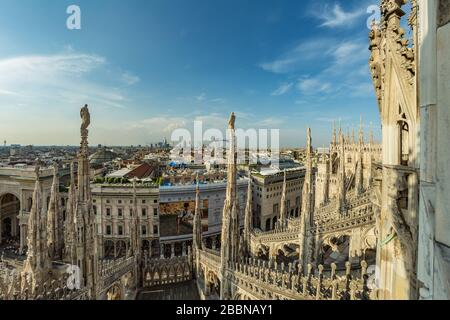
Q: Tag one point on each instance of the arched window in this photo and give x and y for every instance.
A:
(403, 128)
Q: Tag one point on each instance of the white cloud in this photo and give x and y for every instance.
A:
(218, 100)
(47, 69)
(7, 93)
(130, 79)
(271, 123)
(161, 124)
(337, 17)
(293, 60)
(322, 51)
(201, 97)
(348, 53)
(60, 79)
(282, 89)
(310, 86)
(362, 89)
(333, 120)
(341, 67)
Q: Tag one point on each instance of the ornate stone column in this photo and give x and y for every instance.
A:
(207, 289)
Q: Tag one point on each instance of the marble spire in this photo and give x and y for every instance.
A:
(197, 225)
(230, 216)
(341, 177)
(53, 216)
(359, 161)
(283, 210)
(307, 203)
(248, 221)
(36, 265)
(70, 231)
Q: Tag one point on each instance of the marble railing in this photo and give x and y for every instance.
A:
(14, 287)
(269, 281)
(166, 271)
(211, 258)
(277, 235)
(111, 270)
(110, 267)
(326, 219)
(330, 211)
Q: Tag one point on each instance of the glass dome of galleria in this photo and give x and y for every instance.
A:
(101, 156)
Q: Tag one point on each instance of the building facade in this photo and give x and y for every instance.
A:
(267, 194)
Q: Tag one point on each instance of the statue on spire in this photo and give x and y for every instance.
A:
(85, 122)
(231, 123)
(85, 118)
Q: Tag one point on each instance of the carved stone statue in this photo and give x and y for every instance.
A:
(232, 121)
(85, 117)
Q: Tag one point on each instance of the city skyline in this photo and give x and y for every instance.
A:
(281, 66)
(225, 151)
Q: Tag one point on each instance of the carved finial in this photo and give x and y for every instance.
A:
(348, 267)
(320, 269)
(364, 266)
(333, 269)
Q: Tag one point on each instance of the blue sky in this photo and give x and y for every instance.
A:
(148, 67)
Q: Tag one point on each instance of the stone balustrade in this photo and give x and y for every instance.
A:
(167, 271)
(326, 219)
(112, 270)
(210, 257)
(13, 286)
(270, 281)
